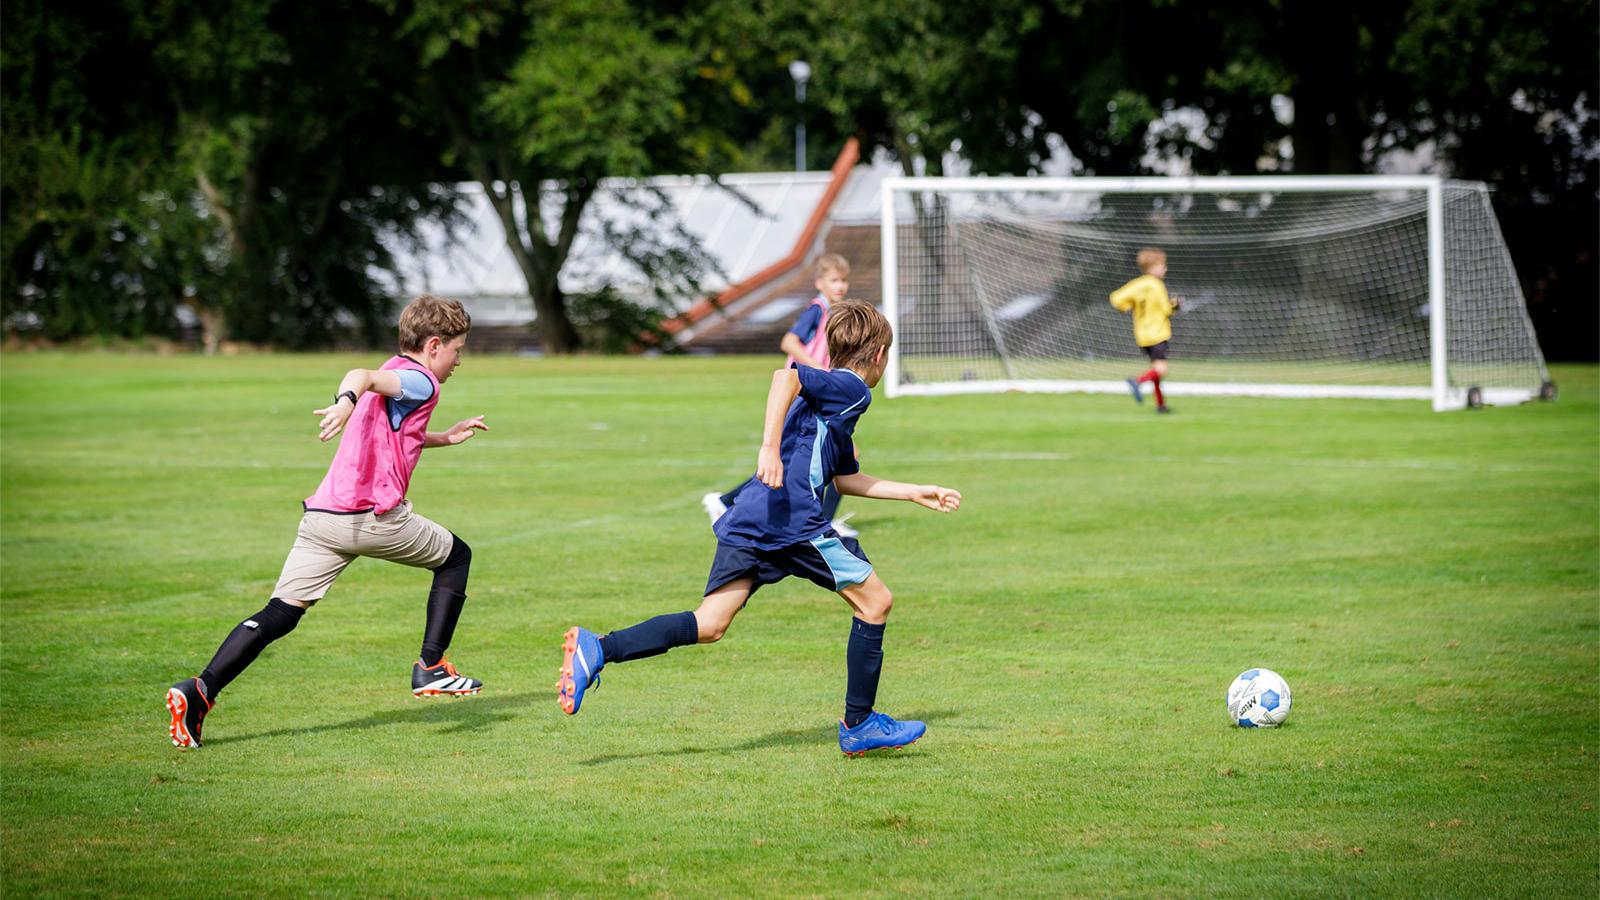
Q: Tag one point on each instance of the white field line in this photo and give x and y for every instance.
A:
(104, 460)
(625, 518)
(1229, 461)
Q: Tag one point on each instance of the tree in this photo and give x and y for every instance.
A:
(1507, 93)
(542, 100)
(289, 124)
(159, 156)
(1503, 92)
(98, 236)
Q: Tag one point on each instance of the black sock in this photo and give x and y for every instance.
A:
(444, 608)
(651, 637)
(864, 658)
(448, 595)
(246, 642)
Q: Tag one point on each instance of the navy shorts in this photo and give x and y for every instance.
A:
(829, 561)
(1156, 351)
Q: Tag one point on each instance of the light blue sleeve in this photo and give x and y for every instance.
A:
(415, 390)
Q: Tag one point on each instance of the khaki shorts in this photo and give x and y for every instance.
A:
(327, 542)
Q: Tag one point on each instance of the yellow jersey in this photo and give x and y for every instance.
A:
(1146, 297)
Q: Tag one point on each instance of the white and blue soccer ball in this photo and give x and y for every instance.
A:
(1258, 698)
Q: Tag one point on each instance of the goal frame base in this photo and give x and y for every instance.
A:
(1454, 398)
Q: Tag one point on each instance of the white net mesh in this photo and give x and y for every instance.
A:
(1491, 342)
(1325, 288)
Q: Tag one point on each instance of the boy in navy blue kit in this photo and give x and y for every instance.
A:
(777, 528)
(806, 342)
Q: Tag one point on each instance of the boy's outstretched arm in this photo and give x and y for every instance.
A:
(455, 434)
(934, 497)
(1122, 297)
(792, 345)
(355, 383)
(769, 465)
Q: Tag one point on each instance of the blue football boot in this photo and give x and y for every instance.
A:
(581, 661)
(878, 732)
(1133, 385)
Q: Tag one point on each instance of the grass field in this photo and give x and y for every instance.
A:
(1429, 585)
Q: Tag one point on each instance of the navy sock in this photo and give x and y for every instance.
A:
(864, 657)
(246, 641)
(652, 637)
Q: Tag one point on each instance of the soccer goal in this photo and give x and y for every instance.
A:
(1328, 286)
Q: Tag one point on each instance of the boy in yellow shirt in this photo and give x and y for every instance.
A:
(1146, 297)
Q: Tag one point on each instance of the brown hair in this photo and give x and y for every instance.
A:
(856, 330)
(832, 262)
(1149, 258)
(427, 316)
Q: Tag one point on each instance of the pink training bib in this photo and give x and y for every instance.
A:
(378, 451)
(818, 345)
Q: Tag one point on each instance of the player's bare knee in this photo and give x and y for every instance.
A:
(710, 627)
(875, 605)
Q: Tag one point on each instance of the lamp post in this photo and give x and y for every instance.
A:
(800, 71)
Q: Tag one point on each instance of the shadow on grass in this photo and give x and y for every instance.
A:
(467, 713)
(794, 737)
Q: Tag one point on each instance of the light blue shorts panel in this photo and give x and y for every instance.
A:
(848, 568)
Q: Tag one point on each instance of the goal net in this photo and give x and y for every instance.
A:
(1334, 286)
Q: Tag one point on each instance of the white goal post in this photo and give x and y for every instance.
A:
(1317, 286)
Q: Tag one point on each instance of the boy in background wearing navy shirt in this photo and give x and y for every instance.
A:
(776, 528)
(806, 343)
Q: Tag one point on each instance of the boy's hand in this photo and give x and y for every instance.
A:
(333, 418)
(938, 499)
(462, 430)
(769, 467)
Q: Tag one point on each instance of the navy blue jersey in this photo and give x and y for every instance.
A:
(817, 444)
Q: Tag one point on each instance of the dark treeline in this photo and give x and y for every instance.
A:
(243, 158)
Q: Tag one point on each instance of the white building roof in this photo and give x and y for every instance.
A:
(745, 222)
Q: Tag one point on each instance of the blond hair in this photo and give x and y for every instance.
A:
(427, 316)
(1149, 258)
(856, 331)
(832, 262)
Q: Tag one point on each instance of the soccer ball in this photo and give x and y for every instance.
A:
(1258, 698)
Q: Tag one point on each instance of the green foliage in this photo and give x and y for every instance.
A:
(611, 323)
(543, 99)
(592, 93)
(298, 145)
(922, 78)
(158, 157)
(1427, 584)
(87, 252)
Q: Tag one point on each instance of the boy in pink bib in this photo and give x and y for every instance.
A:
(360, 509)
